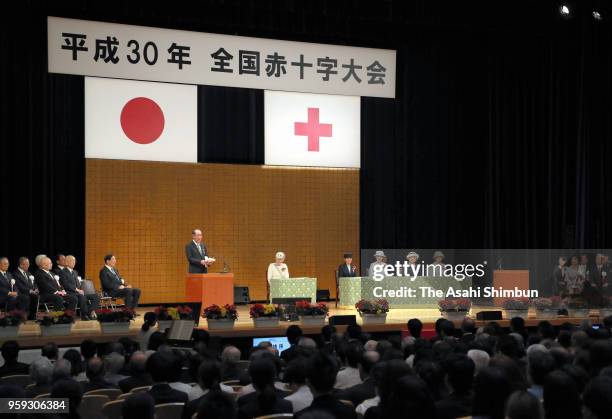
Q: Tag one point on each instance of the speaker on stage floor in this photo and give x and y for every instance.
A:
(241, 295)
(322, 295)
(344, 319)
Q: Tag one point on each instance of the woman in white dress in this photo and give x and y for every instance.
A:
(380, 260)
(278, 269)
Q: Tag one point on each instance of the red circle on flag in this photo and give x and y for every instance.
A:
(142, 120)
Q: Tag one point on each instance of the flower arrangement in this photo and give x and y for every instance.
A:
(55, 317)
(375, 306)
(455, 304)
(174, 313)
(123, 315)
(12, 318)
(220, 312)
(516, 304)
(264, 310)
(305, 308)
(552, 303)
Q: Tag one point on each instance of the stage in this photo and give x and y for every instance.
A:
(29, 333)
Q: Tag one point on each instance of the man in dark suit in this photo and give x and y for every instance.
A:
(347, 269)
(197, 254)
(95, 376)
(10, 353)
(60, 264)
(138, 376)
(71, 281)
(24, 281)
(10, 298)
(50, 289)
(115, 286)
(366, 389)
(321, 375)
(161, 367)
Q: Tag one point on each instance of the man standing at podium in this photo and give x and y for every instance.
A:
(197, 254)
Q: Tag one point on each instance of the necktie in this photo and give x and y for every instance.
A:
(200, 249)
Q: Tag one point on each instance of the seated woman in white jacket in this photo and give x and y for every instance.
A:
(278, 269)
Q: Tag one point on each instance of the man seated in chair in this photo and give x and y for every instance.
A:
(347, 269)
(51, 291)
(10, 297)
(24, 282)
(115, 286)
(73, 284)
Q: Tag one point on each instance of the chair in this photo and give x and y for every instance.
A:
(112, 410)
(124, 396)
(22, 380)
(112, 393)
(169, 410)
(276, 416)
(139, 389)
(231, 382)
(29, 386)
(348, 403)
(42, 396)
(91, 406)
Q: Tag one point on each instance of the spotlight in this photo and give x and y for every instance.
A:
(596, 15)
(564, 10)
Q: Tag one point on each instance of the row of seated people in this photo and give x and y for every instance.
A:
(60, 287)
(486, 372)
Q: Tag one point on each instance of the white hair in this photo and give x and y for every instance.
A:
(41, 370)
(480, 358)
(38, 260)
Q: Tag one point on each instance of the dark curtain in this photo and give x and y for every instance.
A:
(499, 136)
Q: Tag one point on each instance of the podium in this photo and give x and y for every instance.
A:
(211, 288)
(508, 279)
(303, 287)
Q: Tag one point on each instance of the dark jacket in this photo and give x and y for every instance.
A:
(46, 283)
(69, 280)
(358, 393)
(249, 406)
(127, 384)
(163, 393)
(195, 258)
(23, 283)
(14, 368)
(110, 281)
(5, 284)
(331, 405)
(345, 272)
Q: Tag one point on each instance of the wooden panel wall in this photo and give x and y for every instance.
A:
(144, 212)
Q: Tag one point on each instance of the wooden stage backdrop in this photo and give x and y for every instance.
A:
(144, 212)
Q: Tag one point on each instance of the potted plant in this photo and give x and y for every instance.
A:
(547, 308)
(373, 311)
(55, 323)
(516, 307)
(9, 323)
(167, 315)
(220, 317)
(454, 308)
(265, 315)
(577, 307)
(115, 321)
(311, 314)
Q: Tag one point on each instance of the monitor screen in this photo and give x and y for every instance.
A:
(279, 342)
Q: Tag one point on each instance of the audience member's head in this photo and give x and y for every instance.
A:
(459, 373)
(321, 371)
(41, 371)
(293, 333)
(67, 389)
(62, 370)
(209, 374)
(491, 389)
(113, 363)
(539, 364)
(156, 340)
(139, 405)
(94, 369)
(415, 326)
(597, 398)
(88, 349)
(411, 397)
(523, 405)
(480, 358)
(50, 351)
(230, 356)
(150, 318)
(561, 396)
(10, 351)
(160, 365)
(76, 361)
(295, 372)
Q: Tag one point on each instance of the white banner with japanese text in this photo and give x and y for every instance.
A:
(144, 53)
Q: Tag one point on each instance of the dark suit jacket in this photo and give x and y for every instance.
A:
(96, 384)
(127, 384)
(14, 368)
(358, 393)
(163, 393)
(345, 272)
(23, 283)
(5, 284)
(57, 270)
(46, 283)
(195, 258)
(331, 405)
(69, 280)
(108, 280)
(249, 407)
(454, 406)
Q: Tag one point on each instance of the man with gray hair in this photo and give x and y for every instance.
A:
(113, 364)
(480, 358)
(62, 370)
(51, 291)
(73, 284)
(138, 375)
(41, 373)
(10, 297)
(230, 357)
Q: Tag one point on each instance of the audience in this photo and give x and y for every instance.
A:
(523, 373)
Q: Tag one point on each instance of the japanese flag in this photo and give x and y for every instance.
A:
(134, 120)
(305, 129)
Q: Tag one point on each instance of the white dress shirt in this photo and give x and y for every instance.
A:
(347, 377)
(300, 399)
(277, 271)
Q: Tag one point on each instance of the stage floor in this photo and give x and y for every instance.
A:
(29, 333)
